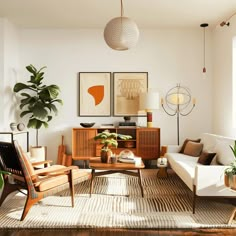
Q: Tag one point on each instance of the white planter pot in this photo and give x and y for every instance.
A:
(37, 154)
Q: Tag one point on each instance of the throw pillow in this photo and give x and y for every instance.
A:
(185, 142)
(206, 158)
(193, 149)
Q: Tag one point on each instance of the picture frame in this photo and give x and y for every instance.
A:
(94, 93)
(126, 89)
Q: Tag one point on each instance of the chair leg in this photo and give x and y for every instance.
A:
(8, 188)
(72, 188)
(29, 203)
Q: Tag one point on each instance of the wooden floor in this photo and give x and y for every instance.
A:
(113, 232)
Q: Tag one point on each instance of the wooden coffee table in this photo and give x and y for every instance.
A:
(119, 167)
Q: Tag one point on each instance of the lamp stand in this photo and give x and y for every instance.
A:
(177, 101)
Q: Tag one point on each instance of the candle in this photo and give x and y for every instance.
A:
(162, 101)
(194, 101)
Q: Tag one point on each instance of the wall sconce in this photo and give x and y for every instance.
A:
(121, 33)
(204, 25)
(177, 101)
(149, 101)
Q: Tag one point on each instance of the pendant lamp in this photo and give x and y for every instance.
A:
(121, 33)
(204, 25)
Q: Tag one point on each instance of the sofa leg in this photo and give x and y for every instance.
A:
(194, 199)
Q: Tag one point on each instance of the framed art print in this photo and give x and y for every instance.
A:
(127, 87)
(95, 94)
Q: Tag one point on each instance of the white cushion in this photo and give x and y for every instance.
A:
(224, 154)
(209, 142)
(184, 166)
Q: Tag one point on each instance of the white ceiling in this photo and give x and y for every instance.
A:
(96, 13)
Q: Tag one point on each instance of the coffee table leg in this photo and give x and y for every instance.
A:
(140, 181)
(91, 183)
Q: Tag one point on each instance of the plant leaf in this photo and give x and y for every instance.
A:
(20, 86)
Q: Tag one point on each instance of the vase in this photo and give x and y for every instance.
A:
(233, 182)
(105, 156)
(226, 180)
(13, 126)
(20, 126)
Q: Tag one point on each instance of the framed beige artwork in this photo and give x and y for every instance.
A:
(94, 93)
(127, 87)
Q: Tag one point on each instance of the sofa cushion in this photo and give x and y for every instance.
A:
(184, 166)
(206, 157)
(186, 141)
(193, 149)
(224, 154)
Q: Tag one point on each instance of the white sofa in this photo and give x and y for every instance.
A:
(204, 180)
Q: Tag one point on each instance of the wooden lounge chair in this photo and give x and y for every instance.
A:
(38, 183)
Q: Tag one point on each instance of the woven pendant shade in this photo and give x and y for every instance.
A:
(121, 33)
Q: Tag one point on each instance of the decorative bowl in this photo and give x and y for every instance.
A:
(87, 125)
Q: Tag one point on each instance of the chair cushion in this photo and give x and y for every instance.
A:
(55, 181)
(27, 162)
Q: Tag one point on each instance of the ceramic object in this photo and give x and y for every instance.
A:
(20, 126)
(13, 126)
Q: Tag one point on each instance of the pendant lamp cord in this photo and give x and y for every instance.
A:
(122, 8)
(204, 47)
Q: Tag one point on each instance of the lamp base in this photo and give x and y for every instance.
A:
(149, 119)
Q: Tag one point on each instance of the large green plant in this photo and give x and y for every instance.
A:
(38, 100)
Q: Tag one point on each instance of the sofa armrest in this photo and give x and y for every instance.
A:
(209, 181)
(170, 148)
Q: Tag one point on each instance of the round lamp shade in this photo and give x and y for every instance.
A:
(121, 33)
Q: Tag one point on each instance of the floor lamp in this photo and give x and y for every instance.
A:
(149, 101)
(177, 102)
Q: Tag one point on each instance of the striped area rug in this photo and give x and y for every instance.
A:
(117, 203)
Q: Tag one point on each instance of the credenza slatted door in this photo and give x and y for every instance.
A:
(148, 143)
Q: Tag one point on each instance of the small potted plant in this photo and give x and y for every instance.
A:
(108, 140)
(230, 172)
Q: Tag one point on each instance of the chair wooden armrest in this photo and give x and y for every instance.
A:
(46, 163)
(60, 171)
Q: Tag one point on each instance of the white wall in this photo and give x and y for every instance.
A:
(8, 64)
(169, 56)
(222, 112)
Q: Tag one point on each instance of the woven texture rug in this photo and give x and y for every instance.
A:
(117, 203)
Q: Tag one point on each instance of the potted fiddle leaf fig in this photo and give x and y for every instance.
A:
(38, 101)
(230, 172)
(108, 140)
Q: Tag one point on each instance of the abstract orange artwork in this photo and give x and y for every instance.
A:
(97, 92)
(94, 93)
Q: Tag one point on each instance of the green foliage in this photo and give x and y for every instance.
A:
(233, 148)
(110, 139)
(1, 178)
(231, 170)
(38, 100)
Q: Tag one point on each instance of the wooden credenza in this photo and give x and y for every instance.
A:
(145, 142)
